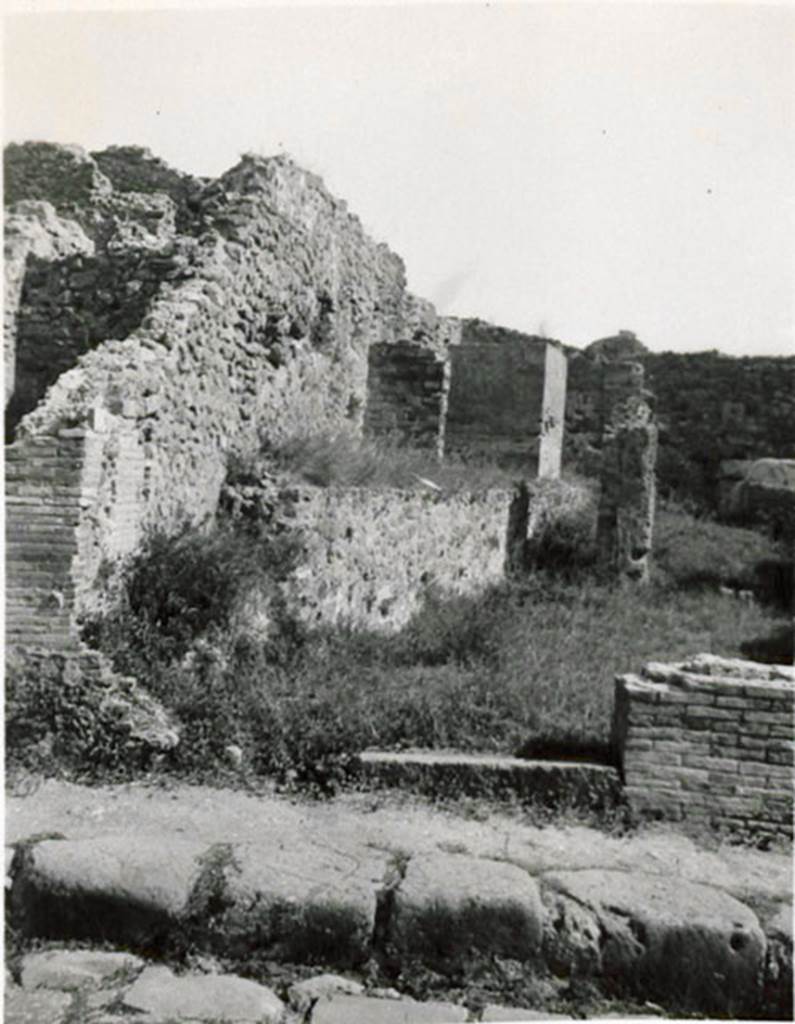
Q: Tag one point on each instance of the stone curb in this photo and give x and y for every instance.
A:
(456, 773)
(635, 932)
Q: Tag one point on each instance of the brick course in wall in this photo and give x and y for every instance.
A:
(709, 739)
(73, 500)
(407, 387)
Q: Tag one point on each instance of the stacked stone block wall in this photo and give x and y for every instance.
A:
(407, 387)
(710, 740)
(74, 503)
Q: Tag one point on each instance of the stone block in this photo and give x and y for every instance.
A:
(446, 905)
(164, 997)
(366, 1010)
(75, 969)
(114, 888)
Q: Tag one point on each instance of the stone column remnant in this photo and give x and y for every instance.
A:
(629, 454)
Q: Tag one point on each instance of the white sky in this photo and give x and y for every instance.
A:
(571, 168)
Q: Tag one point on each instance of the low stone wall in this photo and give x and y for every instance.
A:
(709, 739)
(368, 558)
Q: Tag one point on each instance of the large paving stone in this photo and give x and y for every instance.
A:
(22, 1007)
(364, 1010)
(303, 994)
(72, 969)
(661, 937)
(306, 902)
(493, 1012)
(446, 905)
(124, 889)
(203, 997)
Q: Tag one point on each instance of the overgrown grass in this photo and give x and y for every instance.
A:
(527, 667)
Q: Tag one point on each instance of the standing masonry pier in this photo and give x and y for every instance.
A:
(493, 393)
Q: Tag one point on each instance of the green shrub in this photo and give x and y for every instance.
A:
(177, 587)
(61, 722)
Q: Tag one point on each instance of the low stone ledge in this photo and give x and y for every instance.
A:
(455, 773)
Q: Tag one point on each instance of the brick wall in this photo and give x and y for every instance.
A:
(407, 386)
(710, 739)
(43, 509)
(73, 500)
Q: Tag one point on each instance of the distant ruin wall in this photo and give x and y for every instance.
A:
(709, 740)
(507, 398)
(709, 407)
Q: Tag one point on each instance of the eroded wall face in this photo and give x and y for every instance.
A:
(69, 306)
(368, 559)
(497, 400)
(194, 347)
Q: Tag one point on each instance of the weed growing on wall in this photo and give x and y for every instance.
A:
(343, 459)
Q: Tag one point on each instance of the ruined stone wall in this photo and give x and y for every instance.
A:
(627, 494)
(407, 389)
(709, 407)
(32, 231)
(709, 740)
(502, 400)
(71, 305)
(367, 558)
(262, 331)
